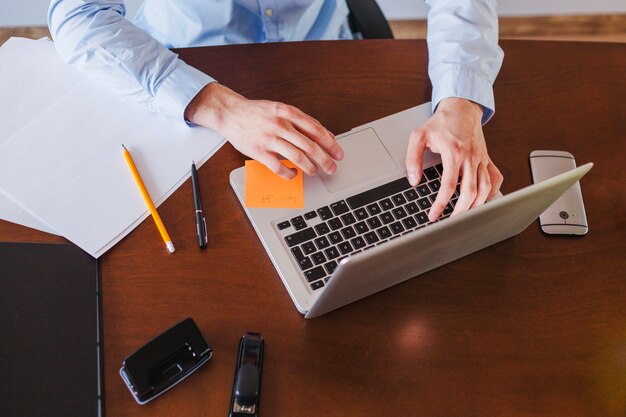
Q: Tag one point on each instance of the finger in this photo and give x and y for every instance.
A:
(469, 189)
(273, 163)
(484, 185)
(308, 148)
(312, 129)
(496, 179)
(415, 155)
(291, 151)
(449, 180)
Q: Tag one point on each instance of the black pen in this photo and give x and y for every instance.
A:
(197, 202)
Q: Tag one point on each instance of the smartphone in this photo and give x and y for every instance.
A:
(566, 216)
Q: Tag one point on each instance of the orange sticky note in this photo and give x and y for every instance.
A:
(264, 189)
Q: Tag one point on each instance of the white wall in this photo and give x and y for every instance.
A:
(33, 12)
(412, 9)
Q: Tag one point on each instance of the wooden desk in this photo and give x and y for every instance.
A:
(535, 325)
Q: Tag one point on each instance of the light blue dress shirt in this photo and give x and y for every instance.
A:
(132, 58)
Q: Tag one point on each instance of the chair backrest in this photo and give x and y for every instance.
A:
(367, 20)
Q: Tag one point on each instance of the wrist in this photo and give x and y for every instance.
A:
(207, 108)
(460, 105)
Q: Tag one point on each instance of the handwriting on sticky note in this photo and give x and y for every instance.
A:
(264, 189)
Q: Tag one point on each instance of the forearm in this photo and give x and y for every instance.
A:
(464, 56)
(96, 39)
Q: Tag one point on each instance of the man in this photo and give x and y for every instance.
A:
(133, 60)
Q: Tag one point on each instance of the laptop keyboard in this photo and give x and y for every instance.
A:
(318, 240)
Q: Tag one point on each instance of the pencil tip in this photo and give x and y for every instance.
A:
(124, 147)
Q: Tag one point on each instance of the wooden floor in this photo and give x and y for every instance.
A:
(601, 28)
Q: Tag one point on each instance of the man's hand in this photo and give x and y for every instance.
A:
(455, 132)
(265, 130)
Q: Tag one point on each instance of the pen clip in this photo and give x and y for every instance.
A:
(206, 234)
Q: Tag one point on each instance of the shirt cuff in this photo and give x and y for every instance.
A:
(463, 83)
(177, 90)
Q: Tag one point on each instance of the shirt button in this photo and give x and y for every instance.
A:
(269, 12)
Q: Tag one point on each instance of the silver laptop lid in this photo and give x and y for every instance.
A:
(368, 272)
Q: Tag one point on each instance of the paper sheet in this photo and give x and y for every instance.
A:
(66, 165)
(264, 189)
(18, 107)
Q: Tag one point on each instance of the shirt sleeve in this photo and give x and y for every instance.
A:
(464, 56)
(96, 39)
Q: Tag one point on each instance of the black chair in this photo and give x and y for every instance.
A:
(367, 20)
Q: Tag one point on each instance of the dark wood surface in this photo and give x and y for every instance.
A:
(535, 325)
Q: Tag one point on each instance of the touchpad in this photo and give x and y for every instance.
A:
(365, 157)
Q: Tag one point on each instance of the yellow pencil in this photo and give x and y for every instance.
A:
(148, 200)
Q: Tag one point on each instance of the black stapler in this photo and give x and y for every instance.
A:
(244, 401)
(165, 361)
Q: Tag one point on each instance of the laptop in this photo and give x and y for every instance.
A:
(364, 228)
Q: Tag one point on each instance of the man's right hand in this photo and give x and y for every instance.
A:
(266, 130)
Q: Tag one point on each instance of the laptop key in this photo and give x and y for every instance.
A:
(298, 223)
(448, 209)
(314, 274)
(297, 253)
(332, 252)
(412, 208)
(398, 199)
(424, 203)
(361, 213)
(371, 238)
(384, 232)
(374, 222)
(399, 213)
(423, 190)
(317, 285)
(299, 226)
(409, 223)
(322, 242)
(335, 223)
(434, 185)
(283, 225)
(308, 248)
(386, 204)
(348, 232)
(421, 218)
(345, 247)
(348, 219)
(396, 227)
(358, 242)
(335, 238)
(378, 193)
(310, 215)
(439, 168)
(386, 217)
(431, 173)
(411, 195)
(339, 207)
(330, 267)
(373, 209)
(318, 258)
(297, 219)
(322, 228)
(324, 213)
(300, 237)
(305, 263)
(361, 227)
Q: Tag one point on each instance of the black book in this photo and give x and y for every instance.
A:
(50, 331)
